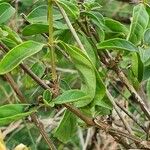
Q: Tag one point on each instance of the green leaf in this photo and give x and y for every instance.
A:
(72, 96)
(85, 68)
(91, 5)
(98, 20)
(105, 103)
(91, 82)
(145, 55)
(68, 122)
(137, 66)
(39, 15)
(15, 56)
(115, 26)
(12, 35)
(3, 33)
(100, 91)
(37, 68)
(147, 37)
(38, 28)
(70, 8)
(60, 25)
(33, 29)
(10, 43)
(13, 112)
(102, 111)
(90, 49)
(96, 17)
(118, 44)
(47, 97)
(138, 25)
(6, 12)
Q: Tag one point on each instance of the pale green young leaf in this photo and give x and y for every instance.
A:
(137, 66)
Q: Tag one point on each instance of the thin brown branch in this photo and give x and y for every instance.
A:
(71, 27)
(119, 113)
(132, 117)
(87, 120)
(124, 79)
(34, 118)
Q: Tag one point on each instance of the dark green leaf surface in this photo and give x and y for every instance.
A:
(38, 28)
(33, 29)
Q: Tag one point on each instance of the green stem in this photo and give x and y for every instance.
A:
(68, 22)
(51, 39)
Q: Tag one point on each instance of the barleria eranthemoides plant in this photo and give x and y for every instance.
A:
(74, 74)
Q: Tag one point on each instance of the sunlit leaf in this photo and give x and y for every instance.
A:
(15, 56)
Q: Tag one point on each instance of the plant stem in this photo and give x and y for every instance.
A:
(51, 39)
(71, 27)
(119, 113)
(132, 117)
(34, 118)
